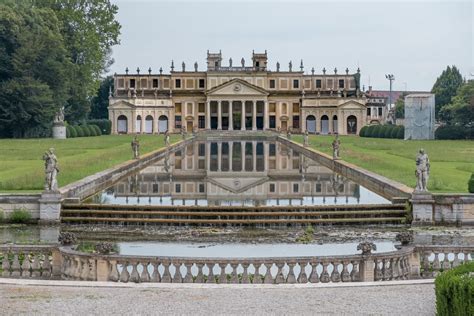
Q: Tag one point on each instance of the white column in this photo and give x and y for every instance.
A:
(219, 115)
(242, 146)
(254, 155)
(242, 121)
(254, 115)
(208, 115)
(231, 116)
(208, 156)
(266, 115)
(266, 152)
(231, 147)
(143, 125)
(219, 156)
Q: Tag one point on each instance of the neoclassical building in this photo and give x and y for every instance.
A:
(238, 97)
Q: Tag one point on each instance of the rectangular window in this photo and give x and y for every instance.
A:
(296, 108)
(177, 108)
(296, 121)
(202, 84)
(201, 188)
(318, 187)
(155, 83)
(202, 121)
(296, 83)
(177, 121)
(132, 83)
(318, 84)
(272, 121)
(341, 83)
(272, 188)
(296, 188)
(178, 188)
(177, 83)
(155, 188)
(380, 111)
(368, 111)
(272, 83)
(201, 108)
(272, 150)
(202, 150)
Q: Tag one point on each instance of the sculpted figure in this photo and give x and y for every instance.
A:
(230, 62)
(183, 132)
(305, 139)
(336, 143)
(278, 66)
(422, 171)
(51, 170)
(288, 134)
(136, 147)
(59, 117)
(290, 66)
(242, 61)
(167, 139)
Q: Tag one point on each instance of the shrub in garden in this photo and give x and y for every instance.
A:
(451, 132)
(377, 131)
(470, 184)
(85, 130)
(401, 132)
(363, 131)
(388, 130)
(394, 132)
(79, 131)
(92, 131)
(454, 291)
(19, 216)
(104, 125)
(98, 132)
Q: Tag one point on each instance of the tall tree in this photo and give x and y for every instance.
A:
(461, 110)
(100, 102)
(34, 70)
(89, 30)
(446, 86)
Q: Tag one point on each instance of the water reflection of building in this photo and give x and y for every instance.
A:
(239, 172)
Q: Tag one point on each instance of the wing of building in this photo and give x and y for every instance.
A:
(243, 97)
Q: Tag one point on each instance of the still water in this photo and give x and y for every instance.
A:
(236, 173)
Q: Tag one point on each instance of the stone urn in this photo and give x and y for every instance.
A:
(67, 238)
(405, 238)
(366, 247)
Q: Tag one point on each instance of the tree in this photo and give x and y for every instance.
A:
(400, 107)
(100, 102)
(34, 70)
(446, 86)
(89, 30)
(461, 110)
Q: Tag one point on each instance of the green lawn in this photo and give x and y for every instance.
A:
(452, 161)
(22, 167)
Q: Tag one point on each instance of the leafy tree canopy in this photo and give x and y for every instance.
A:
(461, 109)
(100, 102)
(446, 86)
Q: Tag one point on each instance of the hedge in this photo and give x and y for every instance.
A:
(79, 131)
(470, 184)
(104, 125)
(71, 131)
(455, 291)
(98, 132)
(454, 132)
(363, 131)
(383, 131)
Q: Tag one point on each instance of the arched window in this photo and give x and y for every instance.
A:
(162, 124)
(149, 124)
(324, 124)
(138, 124)
(311, 124)
(122, 124)
(351, 125)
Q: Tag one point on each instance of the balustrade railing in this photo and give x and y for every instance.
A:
(31, 262)
(435, 259)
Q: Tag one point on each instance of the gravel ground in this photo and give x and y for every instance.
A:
(416, 299)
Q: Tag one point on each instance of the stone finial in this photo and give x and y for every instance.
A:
(335, 70)
(67, 238)
(110, 92)
(312, 71)
(404, 238)
(126, 71)
(324, 70)
(242, 61)
(366, 247)
(195, 66)
(138, 70)
(347, 71)
(149, 70)
(290, 66)
(183, 65)
(172, 65)
(358, 70)
(161, 70)
(301, 65)
(278, 66)
(230, 62)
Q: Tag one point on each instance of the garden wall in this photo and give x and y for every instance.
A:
(29, 202)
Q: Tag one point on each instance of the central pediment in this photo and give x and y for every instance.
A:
(237, 185)
(236, 87)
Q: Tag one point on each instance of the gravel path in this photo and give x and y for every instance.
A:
(416, 299)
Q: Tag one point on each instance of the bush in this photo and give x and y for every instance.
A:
(455, 291)
(91, 130)
(363, 131)
(394, 132)
(21, 215)
(377, 131)
(401, 132)
(470, 184)
(388, 131)
(98, 132)
(79, 131)
(85, 131)
(104, 125)
(72, 132)
(451, 132)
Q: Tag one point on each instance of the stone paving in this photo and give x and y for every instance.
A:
(407, 299)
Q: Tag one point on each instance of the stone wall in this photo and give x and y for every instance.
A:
(454, 208)
(11, 202)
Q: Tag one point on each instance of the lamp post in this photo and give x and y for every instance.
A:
(390, 77)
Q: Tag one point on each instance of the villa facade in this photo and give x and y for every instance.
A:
(243, 97)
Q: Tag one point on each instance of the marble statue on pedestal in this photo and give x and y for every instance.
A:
(167, 139)
(422, 171)
(336, 143)
(305, 139)
(51, 170)
(136, 147)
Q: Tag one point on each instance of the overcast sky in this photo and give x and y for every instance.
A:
(413, 40)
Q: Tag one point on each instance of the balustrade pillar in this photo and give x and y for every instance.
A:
(102, 272)
(414, 263)
(219, 115)
(366, 270)
(254, 115)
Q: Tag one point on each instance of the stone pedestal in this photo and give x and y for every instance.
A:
(50, 207)
(59, 131)
(366, 270)
(423, 208)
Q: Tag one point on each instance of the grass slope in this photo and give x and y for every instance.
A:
(22, 167)
(452, 161)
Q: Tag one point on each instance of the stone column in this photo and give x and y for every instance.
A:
(266, 115)
(330, 127)
(142, 123)
(414, 265)
(155, 124)
(57, 262)
(242, 146)
(219, 115)
(219, 156)
(266, 152)
(254, 156)
(208, 156)
(231, 116)
(242, 127)
(102, 270)
(254, 115)
(208, 115)
(366, 270)
(231, 147)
